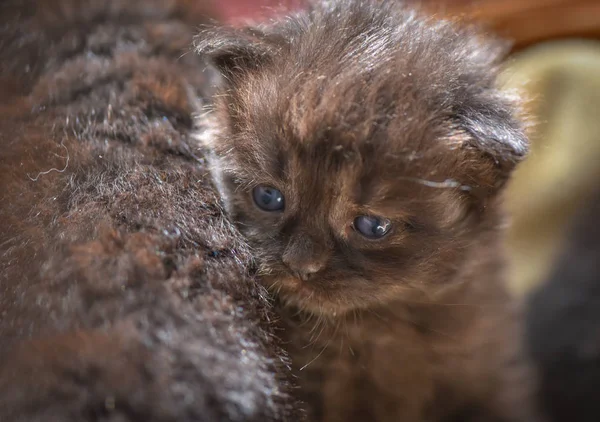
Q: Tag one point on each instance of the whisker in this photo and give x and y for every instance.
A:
(316, 357)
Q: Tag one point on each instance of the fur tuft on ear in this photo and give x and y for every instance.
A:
(495, 131)
(235, 50)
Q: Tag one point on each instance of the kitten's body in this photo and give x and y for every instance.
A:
(357, 109)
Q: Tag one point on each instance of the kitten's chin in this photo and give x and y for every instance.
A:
(301, 295)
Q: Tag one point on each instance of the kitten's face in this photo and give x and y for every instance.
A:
(355, 176)
(333, 231)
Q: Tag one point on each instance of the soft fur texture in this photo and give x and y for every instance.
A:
(367, 108)
(124, 294)
(563, 325)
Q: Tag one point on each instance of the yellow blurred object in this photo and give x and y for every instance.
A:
(562, 79)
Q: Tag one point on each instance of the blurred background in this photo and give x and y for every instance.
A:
(555, 65)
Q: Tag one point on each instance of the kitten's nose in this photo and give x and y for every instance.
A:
(304, 270)
(304, 258)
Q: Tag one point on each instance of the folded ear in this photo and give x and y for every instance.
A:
(495, 131)
(491, 118)
(236, 50)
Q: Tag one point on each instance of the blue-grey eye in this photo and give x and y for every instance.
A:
(372, 227)
(268, 199)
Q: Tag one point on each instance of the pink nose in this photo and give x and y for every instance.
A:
(304, 256)
(303, 270)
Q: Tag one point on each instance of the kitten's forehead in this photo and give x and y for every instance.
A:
(371, 140)
(390, 110)
(331, 143)
(319, 172)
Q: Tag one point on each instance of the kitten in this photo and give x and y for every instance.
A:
(362, 148)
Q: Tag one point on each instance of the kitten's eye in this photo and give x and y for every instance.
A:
(268, 199)
(372, 227)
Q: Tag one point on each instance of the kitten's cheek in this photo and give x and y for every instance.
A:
(253, 233)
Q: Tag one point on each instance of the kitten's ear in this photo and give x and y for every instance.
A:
(236, 50)
(491, 117)
(490, 120)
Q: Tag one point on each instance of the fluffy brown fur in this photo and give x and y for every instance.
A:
(358, 108)
(124, 293)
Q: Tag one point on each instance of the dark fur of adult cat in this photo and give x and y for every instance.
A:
(355, 112)
(563, 325)
(124, 294)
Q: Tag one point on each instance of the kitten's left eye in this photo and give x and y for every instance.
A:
(372, 227)
(268, 198)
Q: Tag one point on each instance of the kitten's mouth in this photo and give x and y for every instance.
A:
(288, 284)
(308, 296)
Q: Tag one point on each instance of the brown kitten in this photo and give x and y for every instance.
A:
(361, 148)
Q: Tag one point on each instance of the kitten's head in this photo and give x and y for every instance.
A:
(359, 148)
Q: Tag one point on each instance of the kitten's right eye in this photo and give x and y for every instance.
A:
(372, 227)
(268, 199)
